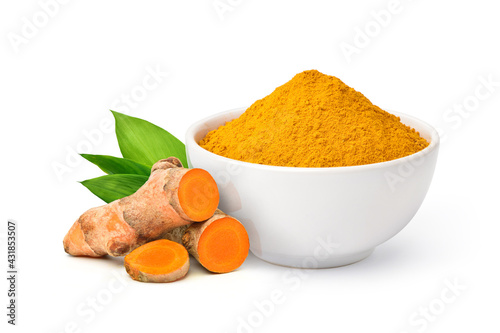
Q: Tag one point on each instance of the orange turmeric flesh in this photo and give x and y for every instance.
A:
(223, 246)
(158, 261)
(198, 195)
(172, 197)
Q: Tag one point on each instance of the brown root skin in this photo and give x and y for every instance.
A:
(220, 244)
(171, 162)
(176, 234)
(158, 261)
(125, 224)
(75, 238)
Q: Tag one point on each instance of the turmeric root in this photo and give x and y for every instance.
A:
(172, 197)
(220, 244)
(158, 261)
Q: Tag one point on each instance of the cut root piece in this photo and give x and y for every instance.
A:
(158, 261)
(198, 195)
(172, 197)
(223, 246)
(220, 244)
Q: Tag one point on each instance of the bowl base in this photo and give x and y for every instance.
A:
(313, 262)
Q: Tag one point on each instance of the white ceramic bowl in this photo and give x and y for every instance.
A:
(317, 217)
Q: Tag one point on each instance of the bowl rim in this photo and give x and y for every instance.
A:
(428, 129)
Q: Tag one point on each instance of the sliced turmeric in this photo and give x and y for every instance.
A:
(220, 244)
(158, 261)
(172, 197)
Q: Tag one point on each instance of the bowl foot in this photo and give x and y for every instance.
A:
(312, 261)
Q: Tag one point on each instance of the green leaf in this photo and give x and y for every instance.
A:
(146, 143)
(112, 187)
(117, 165)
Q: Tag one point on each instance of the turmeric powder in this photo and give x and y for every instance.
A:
(314, 120)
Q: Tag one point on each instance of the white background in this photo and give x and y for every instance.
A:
(59, 81)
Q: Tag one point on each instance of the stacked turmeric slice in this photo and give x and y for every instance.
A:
(174, 213)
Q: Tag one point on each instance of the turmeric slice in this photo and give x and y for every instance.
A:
(220, 244)
(158, 261)
(172, 197)
(196, 195)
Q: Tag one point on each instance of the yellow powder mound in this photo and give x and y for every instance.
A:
(314, 120)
